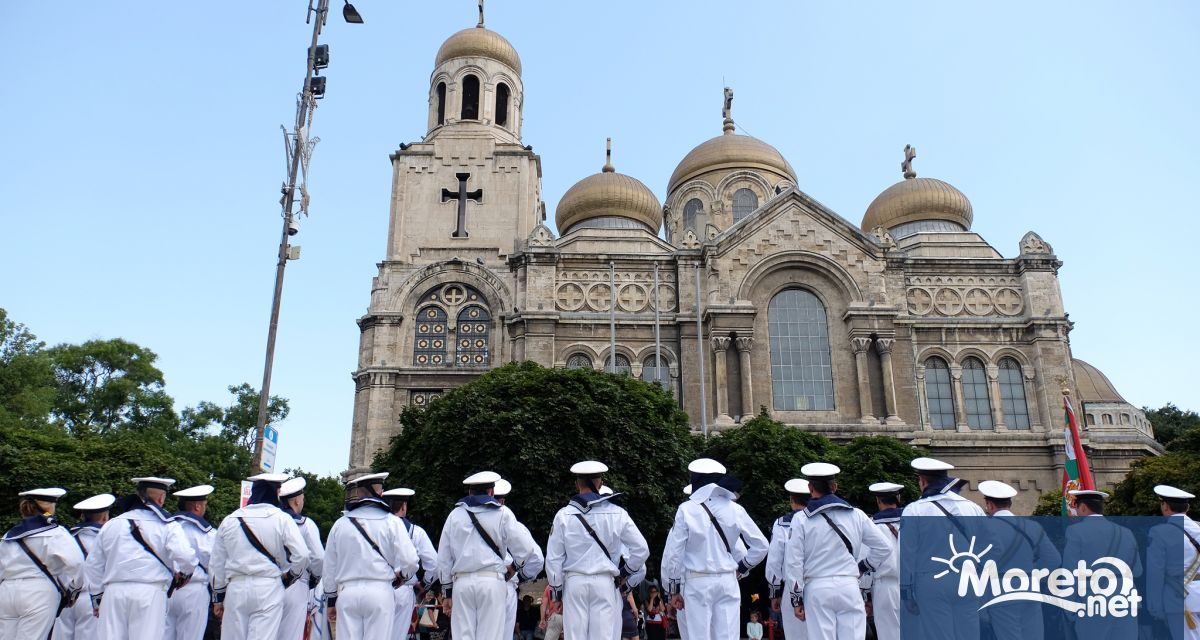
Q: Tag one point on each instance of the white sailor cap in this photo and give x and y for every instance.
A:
(292, 488)
(996, 490)
(797, 485)
(195, 493)
(399, 492)
(368, 478)
(706, 465)
(95, 503)
(269, 477)
(503, 487)
(154, 482)
(687, 491)
(589, 468)
(46, 494)
(1087, 493)
(819, 470)
(885, 488)
(930, 465)
(1167, 492)
(482, 478)
(606, 490)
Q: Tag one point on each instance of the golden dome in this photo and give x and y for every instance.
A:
(479, 42)
(608, 194)
(914, 199)
(1092, 385)
(730, 151)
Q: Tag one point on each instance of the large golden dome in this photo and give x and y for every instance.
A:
(914, 199)
(608, 194)
(730, 151)
(479, 42)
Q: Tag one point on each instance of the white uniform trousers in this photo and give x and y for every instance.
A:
(885, 603)
(406, 601)
(833, 609)
(27, 607)
(253, 608)
(187, 612)
(365, 610)
(133, 611)
(1015, 621)
(478, 612)
(76, 623)
(510, 609)
(590, 606)
(794, 628)
(713, 603)
(295, 610)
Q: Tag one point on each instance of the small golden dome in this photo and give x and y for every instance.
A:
(479, 42)
(914, 199)
(730, 151)
(608, 194)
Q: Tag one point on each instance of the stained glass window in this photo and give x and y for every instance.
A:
(745, 202)
(430, 346)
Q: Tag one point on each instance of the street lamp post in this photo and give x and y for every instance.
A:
(299, 149)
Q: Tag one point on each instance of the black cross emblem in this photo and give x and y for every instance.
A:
(462, 195)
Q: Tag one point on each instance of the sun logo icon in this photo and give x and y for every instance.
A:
(957, 558)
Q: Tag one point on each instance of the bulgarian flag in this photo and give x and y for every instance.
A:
(1077, 474)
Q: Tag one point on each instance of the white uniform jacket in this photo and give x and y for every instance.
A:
(815, 550)
(51, 543)
(200, 533)
(1095, 536)
(349, 556)
(234, 555)
(117, 557)
(888, 522)
(777, 552)
(1030, 546)
(427, 558)
(571, 549)
(461, 549)
(1160, 577)
(316, 552)
(695, 545)
(950, 501)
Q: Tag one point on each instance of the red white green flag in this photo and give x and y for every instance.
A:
(1077, 474)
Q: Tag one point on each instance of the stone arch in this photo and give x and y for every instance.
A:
(577, 347)
(496, 297)
(962, 354)
(1015, 354)
(804, 260)
(930, 351)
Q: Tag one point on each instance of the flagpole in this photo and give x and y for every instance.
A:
(612, 318)
(700, 352)
(657, 334)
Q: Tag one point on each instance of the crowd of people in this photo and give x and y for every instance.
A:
(150, 574)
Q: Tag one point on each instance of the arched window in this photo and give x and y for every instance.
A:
(1124, 418)
(430, 346)
(660, 374)
(1012, 395)
(976, 400)
(745, 202)
(939, 393)
(801, 369)
(502, 104)
(1106, 418)
(691, 212)
(441, 103)
(474, 327)
(470, 97)
(1091, 420)
(579, 361)
(622, 365)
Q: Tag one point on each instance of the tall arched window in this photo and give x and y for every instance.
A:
(660, 374)
(437, 343)
(579, 361)
(691, 213)
(1012, 395)
(939, 393)
(801, 369)
(502, 94)
(622, 365)
(976, 400)
(441, 103)
(470, 97)
(745, 202)
(430, 346)
(474, 327)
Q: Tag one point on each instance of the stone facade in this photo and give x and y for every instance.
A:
(737, 233)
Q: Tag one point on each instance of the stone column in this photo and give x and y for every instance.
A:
(720, 345)
(922, 399)
(960, 407)
(860, 346)
(1035, 416)
(993, 375)
(884, 347)
(744, 345)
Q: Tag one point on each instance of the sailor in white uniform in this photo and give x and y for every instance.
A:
(1163, 574)
(701, 562)
(39, 568)
(77, 621)
(594, 547)
(258, 552)
(368, 556)
(187, 613)
(297, 596)
(884, 582)
(1093, 536)
(479, 538)
(503, 488)
(679, 613)
(426, 575)
(141, 557)
(829, 547)
(798, 495)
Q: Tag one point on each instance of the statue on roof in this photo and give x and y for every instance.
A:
(910, 152)
(480, 25)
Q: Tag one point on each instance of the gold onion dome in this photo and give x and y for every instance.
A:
(608, 194)
(916, 199)
(479, 42)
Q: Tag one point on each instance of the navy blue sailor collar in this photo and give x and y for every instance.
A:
(825, 503)
(135, 502)
(294, 516)
(357, 503)
(31, 526)
(478, 501)
(585, 501)
(941, 486)
(786, 519)
(82, 526)
(198, 521)
(891, 514)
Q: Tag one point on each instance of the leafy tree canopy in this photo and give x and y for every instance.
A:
(1170, 422)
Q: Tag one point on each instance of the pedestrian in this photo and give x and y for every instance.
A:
(754, 628)
(527, 617)
(40, 567)
(77, 621)
(296, 597)
(140, 559)
(1021, 544)
(631, 622)
(1183, 618)
(798, 497)
(655, 614)
(885, 581)
(701, 564)
(257, 554)
(1091, 538)
(187, 615)
(406, 596)
(829, 547)
(551, 616)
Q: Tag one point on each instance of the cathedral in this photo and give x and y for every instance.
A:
(738, 293)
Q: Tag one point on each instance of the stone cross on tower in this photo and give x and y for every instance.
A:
(727, 110)
(480, 25)
(462, 195)
(910, 152)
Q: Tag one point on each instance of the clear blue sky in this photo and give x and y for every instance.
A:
(142, 157)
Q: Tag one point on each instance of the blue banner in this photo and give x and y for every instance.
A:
(1031, 578)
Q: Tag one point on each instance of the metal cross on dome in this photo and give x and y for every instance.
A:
(462, 195)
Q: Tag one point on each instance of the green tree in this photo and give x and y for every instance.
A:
(1170, 422)
(324, 499)
(27, 385)
(105, 384)
(1049, 503)
(237, 422)
(866, 460)
(1134, 496)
